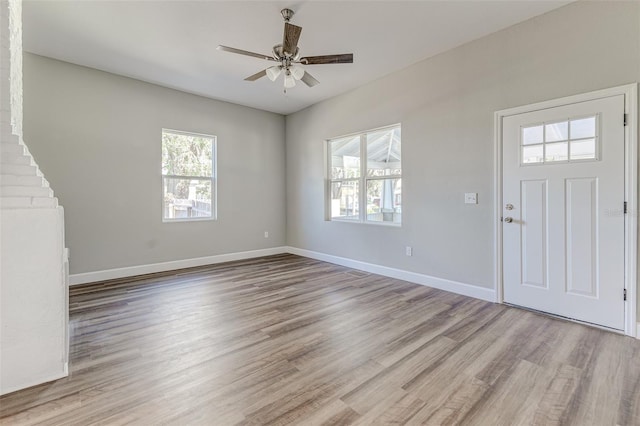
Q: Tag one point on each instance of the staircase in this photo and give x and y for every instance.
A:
(34, 266)
(34, 272)
(22, 184)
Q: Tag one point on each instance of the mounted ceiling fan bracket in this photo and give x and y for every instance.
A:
(287, 14)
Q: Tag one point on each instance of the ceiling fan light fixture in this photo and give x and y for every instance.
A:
(274, 72)
(289, 80)
(297, 71)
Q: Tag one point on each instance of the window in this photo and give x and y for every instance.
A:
(365, 177)
(188, 176)
(564, 141)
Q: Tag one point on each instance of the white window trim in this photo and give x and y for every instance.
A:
(362, 180)
(213, 178)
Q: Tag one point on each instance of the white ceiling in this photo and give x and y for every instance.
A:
(173, 43)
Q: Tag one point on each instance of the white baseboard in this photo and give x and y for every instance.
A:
(487, 294)
(414, 277)
(130, 271)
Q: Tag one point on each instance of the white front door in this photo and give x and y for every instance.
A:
(563, 226)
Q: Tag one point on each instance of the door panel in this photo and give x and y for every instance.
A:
(581, 236)
(563, 189)
(534, 235)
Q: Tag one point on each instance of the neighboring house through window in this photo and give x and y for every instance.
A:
(365, 177)
(188, 176)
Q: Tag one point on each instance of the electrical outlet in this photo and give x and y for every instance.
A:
(471, 198)
(266, 234)
(408, 251)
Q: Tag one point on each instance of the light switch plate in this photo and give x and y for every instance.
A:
(471, 198)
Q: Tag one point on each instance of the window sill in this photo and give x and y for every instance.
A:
(193, 219)
(391, 225)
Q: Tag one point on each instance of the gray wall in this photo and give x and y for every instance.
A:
(446, 105)
(97, 139)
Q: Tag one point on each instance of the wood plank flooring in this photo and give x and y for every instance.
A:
(290, 340)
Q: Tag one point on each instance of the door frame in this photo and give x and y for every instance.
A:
(630, 92)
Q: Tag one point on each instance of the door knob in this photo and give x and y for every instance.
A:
(508, 219)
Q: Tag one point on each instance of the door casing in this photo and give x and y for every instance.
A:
(630, 92)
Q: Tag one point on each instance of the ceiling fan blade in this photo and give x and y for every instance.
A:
(291, 37)
(256, 76)
(309, 80)
(245, 52)
(345, 58)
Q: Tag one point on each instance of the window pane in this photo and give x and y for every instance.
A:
(583, 128)
(584, 149)
(532, 154)
(556, 152)
(344, 200)
(383, 153)
(187, 155)
(345, 157)
(187, 198)
(556, 132)
(384, 200)
(531, 135)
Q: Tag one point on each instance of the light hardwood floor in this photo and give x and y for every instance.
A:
(290, 340)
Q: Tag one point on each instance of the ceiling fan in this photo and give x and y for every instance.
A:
(287, 55)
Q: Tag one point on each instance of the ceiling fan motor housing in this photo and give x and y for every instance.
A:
(280, 55)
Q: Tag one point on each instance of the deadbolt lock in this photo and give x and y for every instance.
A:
(509, 207)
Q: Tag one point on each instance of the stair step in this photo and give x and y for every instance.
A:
(28, 202)
(15, 202)
(20, 169)
(25, 191)
(15, 158)
(44, 202)
(6, 147)
(10, 138)
(13, 180)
